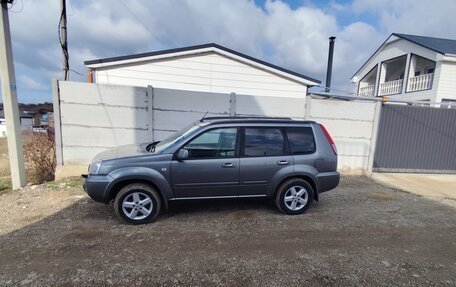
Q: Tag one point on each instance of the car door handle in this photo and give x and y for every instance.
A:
(282, 162)
(228, 164)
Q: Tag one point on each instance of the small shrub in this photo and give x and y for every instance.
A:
(4, 159)
(5, 184)
(39, 154)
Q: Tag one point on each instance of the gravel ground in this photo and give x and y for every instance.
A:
(359, 234)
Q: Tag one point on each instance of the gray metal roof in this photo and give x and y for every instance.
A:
(439, 45)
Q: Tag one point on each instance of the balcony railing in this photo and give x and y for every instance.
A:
(419, 83)
(367, 91)
(390, 88)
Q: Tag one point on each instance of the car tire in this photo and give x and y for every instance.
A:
(137, 204)
(294, 196)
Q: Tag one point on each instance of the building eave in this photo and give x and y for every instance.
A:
(201, 49)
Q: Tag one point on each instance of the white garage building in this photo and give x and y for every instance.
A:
(204, 68)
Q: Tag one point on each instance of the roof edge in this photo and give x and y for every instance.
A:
(419, 44)
(373, 54)
(403, 37)
(197, 47)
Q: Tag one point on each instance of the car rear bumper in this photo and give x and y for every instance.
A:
(95, 186)
(328, 180)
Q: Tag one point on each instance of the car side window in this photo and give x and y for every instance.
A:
(301, 140)
(263, 142)
(216, 143)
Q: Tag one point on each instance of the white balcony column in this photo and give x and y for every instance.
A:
(406, 74)
(377, 79)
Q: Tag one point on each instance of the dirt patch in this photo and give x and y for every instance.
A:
(379, 195)
(81, 233)
(361, 234)
(242, 215)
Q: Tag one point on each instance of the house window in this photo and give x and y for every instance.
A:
(448, 104)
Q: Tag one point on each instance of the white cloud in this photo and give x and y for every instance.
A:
(30, 83)
(294, 38)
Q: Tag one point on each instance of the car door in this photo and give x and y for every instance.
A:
(264, 153)
(212, 166)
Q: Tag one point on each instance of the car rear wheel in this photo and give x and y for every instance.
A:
(294, 196)
(137, 204)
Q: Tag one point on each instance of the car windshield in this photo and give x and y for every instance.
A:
(176, 137)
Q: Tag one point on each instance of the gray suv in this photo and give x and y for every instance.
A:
(220, 157)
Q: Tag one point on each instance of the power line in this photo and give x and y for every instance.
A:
(136, 17)
(81, 74)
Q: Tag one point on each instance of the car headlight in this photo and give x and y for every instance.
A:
(94, 167)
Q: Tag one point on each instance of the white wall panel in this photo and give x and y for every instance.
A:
(103, 116)
(173, 121)
(167, 99)
(272, 106)
(363, 111)
(102, 137)
(85, 93)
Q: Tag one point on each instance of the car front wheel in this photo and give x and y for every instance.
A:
(137, 204)
(294, 196)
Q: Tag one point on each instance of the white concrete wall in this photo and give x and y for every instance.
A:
(350, 125)
(98, 117)
(95, 117)
(209, 72)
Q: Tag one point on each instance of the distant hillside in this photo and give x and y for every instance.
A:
(40, 109)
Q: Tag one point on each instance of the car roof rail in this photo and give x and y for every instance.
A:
(244, 118)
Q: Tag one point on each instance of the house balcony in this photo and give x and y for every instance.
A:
(367, 91)
(391, 88)
(420, 83)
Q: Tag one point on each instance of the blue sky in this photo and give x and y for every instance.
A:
(288, 33)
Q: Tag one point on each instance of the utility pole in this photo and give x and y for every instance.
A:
(63, 39)
(10, 106)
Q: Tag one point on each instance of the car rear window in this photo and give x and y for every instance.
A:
(301, 140)
(263, 142)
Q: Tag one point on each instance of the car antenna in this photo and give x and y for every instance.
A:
(202, 119)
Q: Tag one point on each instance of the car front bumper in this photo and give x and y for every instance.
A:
(96, 187)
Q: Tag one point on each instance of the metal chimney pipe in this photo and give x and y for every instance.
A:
(330, 63)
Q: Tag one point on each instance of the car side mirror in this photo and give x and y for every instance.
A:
(182, 154)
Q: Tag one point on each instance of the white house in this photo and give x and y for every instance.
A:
(203, 68)
(409, 67)
(25, 120)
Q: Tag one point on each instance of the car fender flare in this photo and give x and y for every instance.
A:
(302, 172)
(141, 174)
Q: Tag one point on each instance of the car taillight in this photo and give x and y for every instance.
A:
(329, 138)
